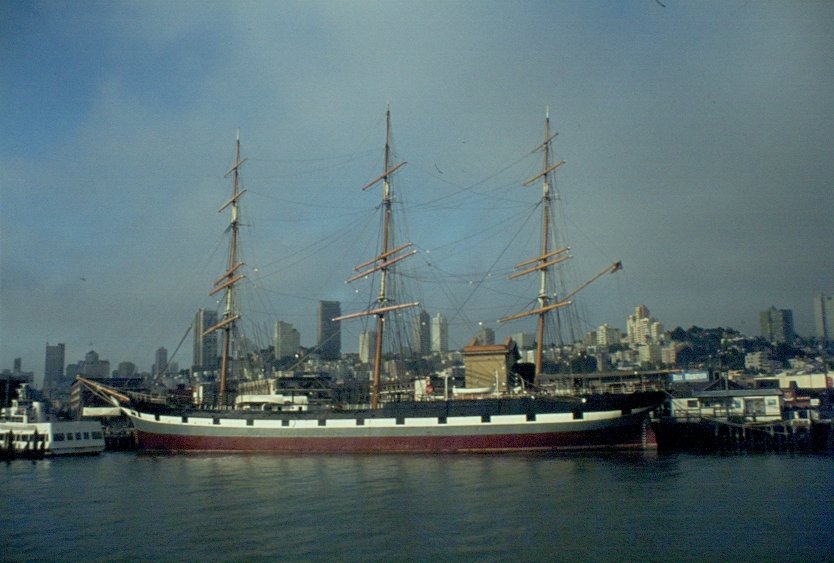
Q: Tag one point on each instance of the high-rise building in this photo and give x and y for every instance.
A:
(777, 325)
(18, 374)
(367, 346)
(421, 333)
(642, 328)
(439, 334)
(94, 367)
(328, 331)
(287, 340)
(53, 369)
(205, 347)
(824, 316)
(608, 336)
(524, 340)
(160, 361)
(126, 370)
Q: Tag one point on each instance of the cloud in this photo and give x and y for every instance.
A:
(696, 140)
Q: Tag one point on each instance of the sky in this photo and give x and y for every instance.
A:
(697, 137)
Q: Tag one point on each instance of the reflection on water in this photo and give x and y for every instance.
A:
(605, 507)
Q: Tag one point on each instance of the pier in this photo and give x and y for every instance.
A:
(728, 434)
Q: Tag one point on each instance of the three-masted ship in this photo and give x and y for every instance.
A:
(507, 419)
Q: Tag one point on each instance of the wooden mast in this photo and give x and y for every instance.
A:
(545, 270)
(383, 261)
(542, 263)
(548, 258)
(228, 280)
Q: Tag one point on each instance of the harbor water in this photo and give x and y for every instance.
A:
(553, 507)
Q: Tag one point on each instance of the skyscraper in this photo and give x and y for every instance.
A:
(439, 334)
(160, 361)
(328, 333)
(421, 333)
(53, 369)
(824, 316)
(367, 346)
(93, 366)
(777, 325)
(287, 340)
(642, 328)
(205, 347)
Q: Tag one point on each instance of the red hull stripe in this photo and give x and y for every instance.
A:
(634, 437)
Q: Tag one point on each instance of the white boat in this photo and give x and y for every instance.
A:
(27, 431)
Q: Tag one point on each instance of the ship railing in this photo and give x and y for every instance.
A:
(601, 389)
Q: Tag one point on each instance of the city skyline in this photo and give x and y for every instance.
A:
(640, 328)
(696, 137)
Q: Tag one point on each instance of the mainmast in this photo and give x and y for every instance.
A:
(382, 263)
(227, 281)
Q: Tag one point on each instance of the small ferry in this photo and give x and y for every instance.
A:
(26, 431)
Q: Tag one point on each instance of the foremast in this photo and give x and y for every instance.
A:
(226, 282)
(382, 263)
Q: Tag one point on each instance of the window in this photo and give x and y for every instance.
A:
(58, 437)
(78, 435)
(86, 435)
(97, 436)
(692, 403)
(754, 406)
(70, 436)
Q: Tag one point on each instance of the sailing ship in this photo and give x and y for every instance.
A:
(503, 417)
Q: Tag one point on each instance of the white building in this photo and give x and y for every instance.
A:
(439, 334)
(669, 354)
(649, 354)
(524, 340)
(608, 336)
(642, 328)
(760, 361)
(367, 346)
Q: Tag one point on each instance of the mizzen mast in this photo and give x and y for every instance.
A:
(382, 263)
(227, 281)
(547, 258)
